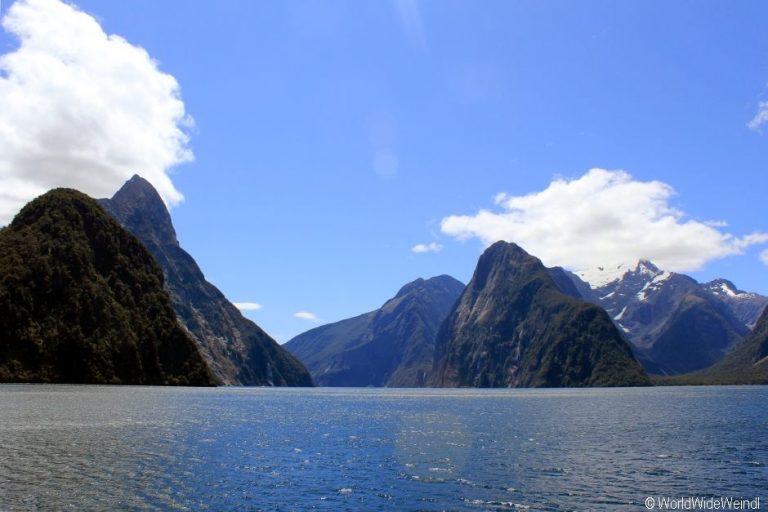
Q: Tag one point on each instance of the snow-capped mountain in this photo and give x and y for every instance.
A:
(601, 276)
(747, 306)
(637, 290)
(675, 324)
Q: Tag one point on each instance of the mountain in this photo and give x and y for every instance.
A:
(746, 364)
(236, 350)
(392, 346)
(514, 327)
(565, 282)
(675, 325)
(82, 301)
(746, 306)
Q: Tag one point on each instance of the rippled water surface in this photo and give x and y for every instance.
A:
(105, 448)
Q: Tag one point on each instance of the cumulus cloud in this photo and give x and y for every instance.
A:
(81, 108)
(247, 306)
(306, 315)
(760, 118)
(764, 257)
(430, 247)
(602, 219)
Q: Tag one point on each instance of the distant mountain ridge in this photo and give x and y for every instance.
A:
(746, 306)
(82, 301)
(746, 364)
(392, 346)
(237, 351)
(750, 360)
(518, 324)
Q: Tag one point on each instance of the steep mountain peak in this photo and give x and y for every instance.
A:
(647, 267)
(509, 249)
(747, 306)
(724, 285)
(644, 270)
(505, 262)
(237, 351)
(611, 275)
(725, 288)
(433, 283)
(137, 189)
(138, 204)
(513, 327)
(503, 254)
(641, 280)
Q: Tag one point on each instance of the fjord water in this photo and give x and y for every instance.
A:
(103, 448)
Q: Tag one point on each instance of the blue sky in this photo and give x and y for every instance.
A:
(330, 138)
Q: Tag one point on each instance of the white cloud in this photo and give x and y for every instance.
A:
(247, 306)
(760, 118)
(602, 219)
(430, 247)
(500, 198)
(764, 257)
(306, 315)
(82, 109)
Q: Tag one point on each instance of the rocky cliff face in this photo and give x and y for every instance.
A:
(514, 327)
(237, 351)
(82, 301)
(392, 346)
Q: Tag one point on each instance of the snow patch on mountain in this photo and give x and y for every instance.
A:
(601, 276)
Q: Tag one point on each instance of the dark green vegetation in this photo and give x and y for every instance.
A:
(746, 364)
(238, 352)
(392, 346)
(514, 327)
(82, 301)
